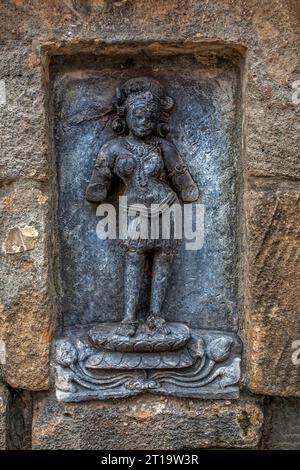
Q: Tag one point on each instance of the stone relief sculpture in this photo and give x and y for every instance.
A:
(154, 174)
(111, 360)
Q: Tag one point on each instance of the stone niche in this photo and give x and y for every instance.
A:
(203, 294)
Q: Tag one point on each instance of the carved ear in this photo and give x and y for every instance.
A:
(167, 103)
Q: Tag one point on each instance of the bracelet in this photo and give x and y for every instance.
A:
(179, 169)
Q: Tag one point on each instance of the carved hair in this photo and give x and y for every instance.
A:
(143, 90)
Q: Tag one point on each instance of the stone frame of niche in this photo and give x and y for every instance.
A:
(205, 51)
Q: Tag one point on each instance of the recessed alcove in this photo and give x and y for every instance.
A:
(206, 128)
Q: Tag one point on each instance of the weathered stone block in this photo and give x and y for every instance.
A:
(282, 428)
(23, 116)
(271, 112)
(145, 423)
(273, 295)
(4, 395)
(25, 310)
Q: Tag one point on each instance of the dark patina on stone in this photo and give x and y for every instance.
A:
(202, 291)
(144, 351)
(207, 366)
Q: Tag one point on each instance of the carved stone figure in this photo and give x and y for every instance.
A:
(154, 174)
(122, 359)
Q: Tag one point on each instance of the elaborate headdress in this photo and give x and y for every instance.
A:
(142, 90)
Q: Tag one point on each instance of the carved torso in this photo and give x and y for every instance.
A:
(141, 167)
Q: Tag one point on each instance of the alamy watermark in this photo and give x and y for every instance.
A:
(159, 221)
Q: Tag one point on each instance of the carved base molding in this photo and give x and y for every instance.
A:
(99, 364)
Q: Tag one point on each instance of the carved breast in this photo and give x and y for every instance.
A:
(141, 162)
(125, 165)
(141, 168)
(152, 164)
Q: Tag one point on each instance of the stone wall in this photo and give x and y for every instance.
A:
(266, 35)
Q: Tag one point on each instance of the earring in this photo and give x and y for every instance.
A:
(167, 103)
(118, 125)
(163, 129)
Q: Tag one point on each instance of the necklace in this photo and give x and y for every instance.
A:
(141, 151)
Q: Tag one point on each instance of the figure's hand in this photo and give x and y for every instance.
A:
(190, 193)
(96, 192)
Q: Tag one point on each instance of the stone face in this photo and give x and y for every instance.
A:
(282, 427)
(25, 314)
(146, 423)
(4, 395)
(273, 279)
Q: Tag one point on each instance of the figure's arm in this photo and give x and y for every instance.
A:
(101, 175)
(178, 174)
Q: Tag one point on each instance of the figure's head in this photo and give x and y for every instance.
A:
(142, 114)
(142, 107)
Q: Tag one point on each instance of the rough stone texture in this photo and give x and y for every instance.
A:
(269, 30)
(25, 310)
(273, 289)
(4, 396)
(282, 428)
(19, 420)
(146, 423)
(23, 123)
(272, 118)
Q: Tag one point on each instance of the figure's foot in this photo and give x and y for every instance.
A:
(126, 328)
(157, 324)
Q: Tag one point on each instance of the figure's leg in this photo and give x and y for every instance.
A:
(134, 267)
(162, 263)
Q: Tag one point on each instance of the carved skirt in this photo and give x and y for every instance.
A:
(155, 233)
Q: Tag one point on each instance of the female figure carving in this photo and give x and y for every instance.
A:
(154, 175)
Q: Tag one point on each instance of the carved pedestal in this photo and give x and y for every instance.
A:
(99, 364)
